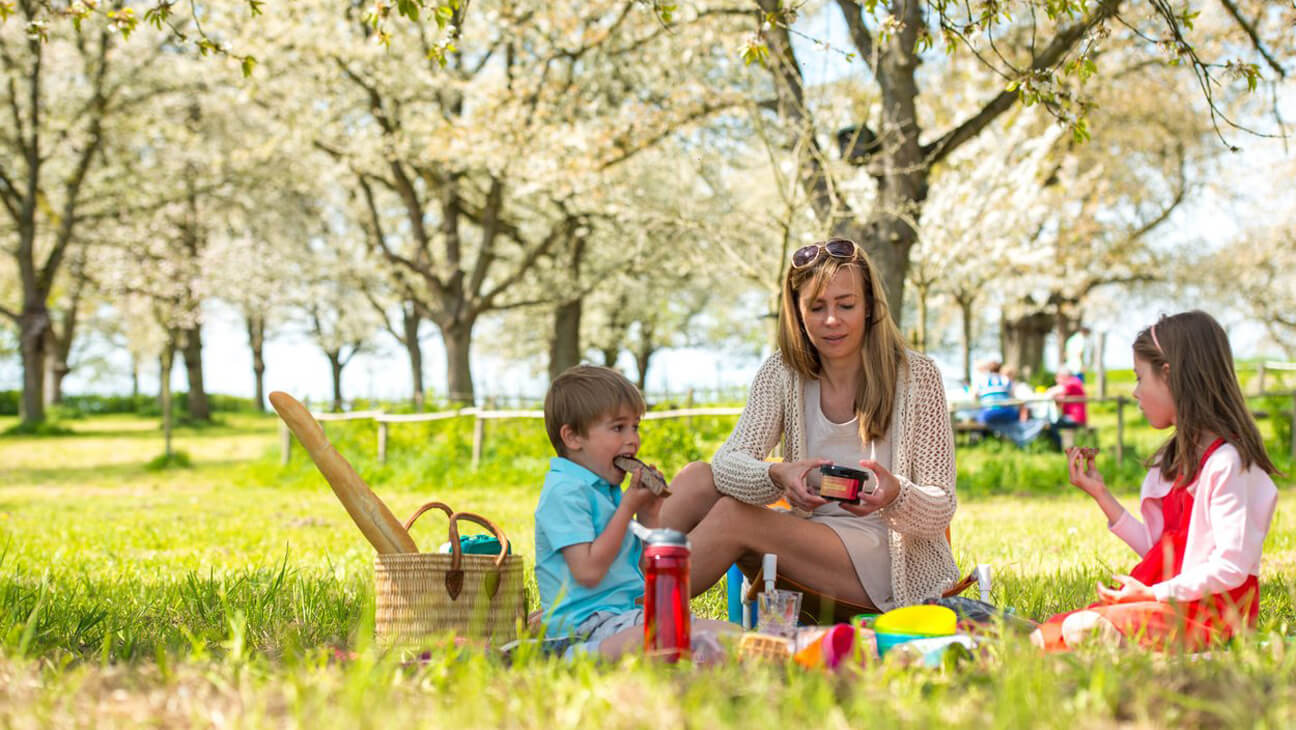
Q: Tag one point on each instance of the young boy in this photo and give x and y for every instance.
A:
(587, 560)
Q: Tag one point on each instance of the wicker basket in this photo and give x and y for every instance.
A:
(472, 596)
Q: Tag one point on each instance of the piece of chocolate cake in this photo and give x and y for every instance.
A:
(652, 479)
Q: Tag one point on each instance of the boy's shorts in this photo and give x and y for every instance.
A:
(600, 625)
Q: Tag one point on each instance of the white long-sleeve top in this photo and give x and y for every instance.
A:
(1232, 509)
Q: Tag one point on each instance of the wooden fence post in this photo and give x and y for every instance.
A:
(1260, 378)
(1293, 434)
(688, 403)
(285, 444)
(479, 435)
(1120, 430)
(382, 442)
(1101, 366)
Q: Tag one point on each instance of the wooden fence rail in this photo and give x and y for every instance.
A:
(481, 416)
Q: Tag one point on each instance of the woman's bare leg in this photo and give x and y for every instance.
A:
(808, 552)
(693, 494)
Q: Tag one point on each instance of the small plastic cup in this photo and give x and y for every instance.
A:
(777, 613)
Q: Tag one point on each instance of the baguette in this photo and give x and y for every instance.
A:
(379, 526)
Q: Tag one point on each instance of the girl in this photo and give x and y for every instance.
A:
(1206, 502)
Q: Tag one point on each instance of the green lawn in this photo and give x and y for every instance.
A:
(220, 595)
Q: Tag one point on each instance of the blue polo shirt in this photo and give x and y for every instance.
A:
(575, 506)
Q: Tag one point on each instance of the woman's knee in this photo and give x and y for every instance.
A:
(694, 475)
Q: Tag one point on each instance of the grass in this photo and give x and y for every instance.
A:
(228, 593)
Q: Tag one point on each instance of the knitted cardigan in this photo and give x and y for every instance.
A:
(922, 438)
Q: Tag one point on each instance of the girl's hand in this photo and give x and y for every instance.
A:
(888, 488)
(1083, 473)
(1132, 590)
(790, 476)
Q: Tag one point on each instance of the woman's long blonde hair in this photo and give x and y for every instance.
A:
(1205, 390)
(882, 352)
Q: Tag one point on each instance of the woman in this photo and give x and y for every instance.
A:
(842, 389)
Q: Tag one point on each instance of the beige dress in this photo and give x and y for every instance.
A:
(865, 538)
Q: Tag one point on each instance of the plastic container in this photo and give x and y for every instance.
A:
(919, 621)
(887, 642)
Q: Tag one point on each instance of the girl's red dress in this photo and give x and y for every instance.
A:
(1195, 625)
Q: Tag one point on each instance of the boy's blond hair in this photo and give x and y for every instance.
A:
(581, 395)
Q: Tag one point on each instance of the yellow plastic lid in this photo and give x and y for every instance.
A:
(925, 620)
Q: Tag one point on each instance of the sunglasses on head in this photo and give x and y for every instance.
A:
(838, 248)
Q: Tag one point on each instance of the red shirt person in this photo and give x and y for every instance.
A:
(1069, 386)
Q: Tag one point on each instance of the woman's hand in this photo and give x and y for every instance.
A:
(1132, 590)
(1083, 473)
(888, 488)
(790, 476)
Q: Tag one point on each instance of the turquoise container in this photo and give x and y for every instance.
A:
(886, 642)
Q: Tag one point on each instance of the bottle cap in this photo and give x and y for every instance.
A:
(665, 536)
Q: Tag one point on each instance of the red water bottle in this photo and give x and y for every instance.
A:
(666, 594)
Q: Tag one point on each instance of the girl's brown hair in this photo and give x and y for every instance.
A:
(1204, 387)
(882, 353)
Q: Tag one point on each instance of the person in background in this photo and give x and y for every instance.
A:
(1072, 414)
(992, 388)
(1076, 352)
(1025, 428)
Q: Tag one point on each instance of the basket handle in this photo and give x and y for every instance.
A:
(430, 505)
(454, 576)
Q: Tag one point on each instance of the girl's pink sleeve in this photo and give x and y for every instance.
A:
(1141, 535)
(1240, 505)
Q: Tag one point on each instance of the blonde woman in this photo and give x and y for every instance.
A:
(842, 390)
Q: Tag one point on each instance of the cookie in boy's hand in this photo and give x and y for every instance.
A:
(1088, 452)
(651, 478)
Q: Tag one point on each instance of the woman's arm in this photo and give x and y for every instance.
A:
(739, 467)
(925, 503)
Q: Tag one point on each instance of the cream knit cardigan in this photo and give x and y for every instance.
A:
(922, 440)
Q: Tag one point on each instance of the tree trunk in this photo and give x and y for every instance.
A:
(610, 355)
(166, 361)
(33, 324)
(256, 340)
(135, 389)
(966, 314)
(564, 343)
(920, 329)
(642, 356)
(53, 386)
(1024, 342)
(1065, 327)
(459, 381)
(411, 321)
(335, 368)
(199, 406)
(643, 353)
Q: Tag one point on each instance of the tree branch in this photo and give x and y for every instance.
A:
(10, 195)
(1249, 28)
(1056, 50)
(490, 228)
(859, 32)
(788, 85)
